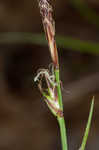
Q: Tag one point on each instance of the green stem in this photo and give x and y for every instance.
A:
(61, 122)
(61, 119)
(84, 141)
(58, 88)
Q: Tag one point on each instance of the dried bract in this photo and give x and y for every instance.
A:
(49, 91)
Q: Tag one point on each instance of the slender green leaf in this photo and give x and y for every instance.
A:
(84, 141)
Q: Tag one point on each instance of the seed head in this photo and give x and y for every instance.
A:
(49, 28)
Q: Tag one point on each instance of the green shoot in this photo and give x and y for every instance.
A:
(84, 141)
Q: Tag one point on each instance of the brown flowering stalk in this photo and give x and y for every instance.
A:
(52, 92)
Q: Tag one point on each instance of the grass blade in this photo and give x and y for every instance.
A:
(84, 141)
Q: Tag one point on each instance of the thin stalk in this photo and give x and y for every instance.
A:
(61, 120)
(84, 141)
(62, 126)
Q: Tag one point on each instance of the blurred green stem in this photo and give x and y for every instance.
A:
(86, 11)
(63, 42)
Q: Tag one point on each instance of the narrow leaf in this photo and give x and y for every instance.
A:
(84, 141)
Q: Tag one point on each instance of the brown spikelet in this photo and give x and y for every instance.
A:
(49, 28)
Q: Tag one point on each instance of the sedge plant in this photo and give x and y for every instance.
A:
(49, 79)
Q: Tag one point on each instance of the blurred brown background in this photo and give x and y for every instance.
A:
(25, 121)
